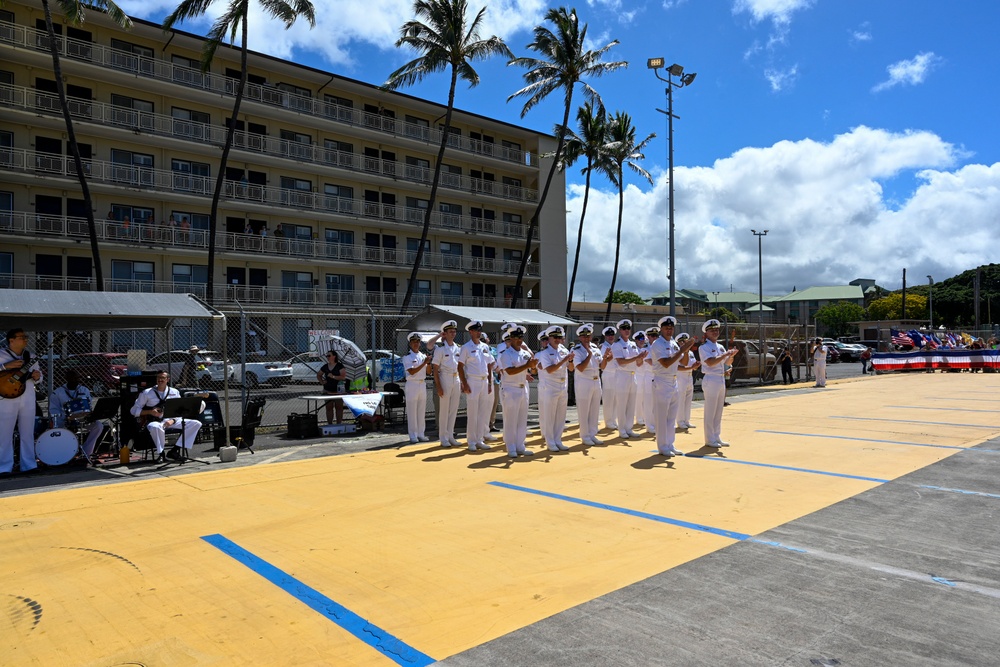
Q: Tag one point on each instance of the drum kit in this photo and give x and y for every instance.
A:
(59, 446)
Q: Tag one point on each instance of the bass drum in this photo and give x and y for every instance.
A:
(56, 447)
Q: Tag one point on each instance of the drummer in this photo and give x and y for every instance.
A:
(69, 405)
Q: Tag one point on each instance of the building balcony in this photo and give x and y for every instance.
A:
(288, 298)
(163, 70)
(111, 233)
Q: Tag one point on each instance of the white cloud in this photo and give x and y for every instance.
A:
(909, 72)
(862, 33)
(824, 205)
(781, 79)
(778, 12)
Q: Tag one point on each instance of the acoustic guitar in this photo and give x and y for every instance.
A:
(14, 382)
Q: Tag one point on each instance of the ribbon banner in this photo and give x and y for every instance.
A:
(363, 404)
(931, 359)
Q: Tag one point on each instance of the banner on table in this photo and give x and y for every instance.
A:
(945, 359)
(363, 404)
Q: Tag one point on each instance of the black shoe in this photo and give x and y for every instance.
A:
(162, 458)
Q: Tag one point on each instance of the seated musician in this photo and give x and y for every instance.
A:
(148, 409)
(73, 398)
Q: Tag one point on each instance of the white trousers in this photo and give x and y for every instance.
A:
(645, 405)
(416, 408)
(819, 368)
(452, 389)
(552, 413)
(19, 411)
(714, 388)
(625, 389)
(515, 418)
(93, 434)
(608, 398)
(588, 405)
(191, 428)
(685, 393)
(665, 401)
(478, 404)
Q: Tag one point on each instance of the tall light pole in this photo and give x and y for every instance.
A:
(930, 302)
(685, 80)
(716, 293)
(760, 305)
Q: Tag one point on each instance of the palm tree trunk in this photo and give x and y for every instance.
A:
(74, 148)
(541, 201)
(213, 219)
(433, 196)
(579, 237)
(618, 240)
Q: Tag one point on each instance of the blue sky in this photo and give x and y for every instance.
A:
(861, 134)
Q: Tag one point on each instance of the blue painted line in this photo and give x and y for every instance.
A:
(778, 545)
(624, 510)
(942, 580)
(931, 406)
(380, 640)
(848, 437)
(912, 421)
(809, 470)
(962, 491)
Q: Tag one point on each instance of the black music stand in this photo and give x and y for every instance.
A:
(108, 408)
(185, 408)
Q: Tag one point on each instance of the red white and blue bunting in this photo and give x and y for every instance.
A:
(940, 358)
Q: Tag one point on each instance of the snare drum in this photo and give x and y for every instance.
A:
(56, 446)
(78, 408)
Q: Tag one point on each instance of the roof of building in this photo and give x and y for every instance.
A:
(831, 293)
(57, 310)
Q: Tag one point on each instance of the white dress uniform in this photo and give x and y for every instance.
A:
(446, 359)
(665, 394)
(609, 377)
(553, 394)
(685, 391)
(625, 386)
(819, 365)
(644, 410)
(587, 384)
(515, 399)
(58, 401)
(713, 385)
(477, 363)
(150, 398)
(415, 391)
(20, 411)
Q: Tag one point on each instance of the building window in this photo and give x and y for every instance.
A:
(339, 282)
(338, 153)
(137, 214)
(191, 176)
(190, 124)
(189, 278)
(299, 144)
(195, 220)
(448, 248)
(131, 57)
(6, 269)
(295, 334)
(132, 168)
(129, 276)
(451, 288)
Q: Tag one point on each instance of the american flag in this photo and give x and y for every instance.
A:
(900, 338)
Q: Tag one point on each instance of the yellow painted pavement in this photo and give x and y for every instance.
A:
(416, 541)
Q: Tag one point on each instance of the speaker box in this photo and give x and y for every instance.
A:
(302, 426)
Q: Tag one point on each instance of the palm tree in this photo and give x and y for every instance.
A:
(591, 141)
(74, 10)
(232, 19)
(446, 41)
(624, 151)
(564, 63)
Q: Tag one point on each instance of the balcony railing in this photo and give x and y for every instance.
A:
(164, 70)
(248, 294)
(28, 224)
(162, 180)
(27, 99)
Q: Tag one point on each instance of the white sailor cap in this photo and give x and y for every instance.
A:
(450, 324)
(543, 334)
(507, 326)
(585, 329)
(667, 321)
(474, 324)
(504, 335)
(681, 337)
(517, 330)
(639, 335)
(608, 331)
(653, 331)
(414, 335)
(485, 338)
(625, 324)
(556, 330)
(711, 324)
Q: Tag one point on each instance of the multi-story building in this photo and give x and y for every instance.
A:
(325, 192)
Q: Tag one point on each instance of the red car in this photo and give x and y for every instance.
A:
(99, 371)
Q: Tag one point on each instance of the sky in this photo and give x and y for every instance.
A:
(861, 135)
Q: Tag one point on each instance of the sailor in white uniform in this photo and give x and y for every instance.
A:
(554, 364)
(819, 362)
(515, 361)
(588, 362)
(449, 390)
(685, 385)
(415, 389)
(475, 368)
(627, 355)
(714, 358)
(643, 384)
(608, 376)
(666, 353)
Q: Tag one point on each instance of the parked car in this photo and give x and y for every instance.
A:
(389, 365)
(274, 373)
(208, 368)
(305, 367)
(100, 371)
(845, 351)
(747, 365)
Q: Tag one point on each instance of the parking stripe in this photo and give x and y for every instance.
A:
(849, 437)
(962, 491)
(914, 421)
(807, 470)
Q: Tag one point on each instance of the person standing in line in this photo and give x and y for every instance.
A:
(714, 358)
(785, 359)
(495, 381)
(685, 384)
(643, 374)
(818, 352)
(666, 353)
(553, 391)
(608, 380)
(415, 391)
(18, 411)
(627, 355)
(588, 362)
(475, 368)
(449, 390)
(645, 378)
(515, 361)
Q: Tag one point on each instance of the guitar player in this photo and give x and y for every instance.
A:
(148, 409)
(21, 409)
